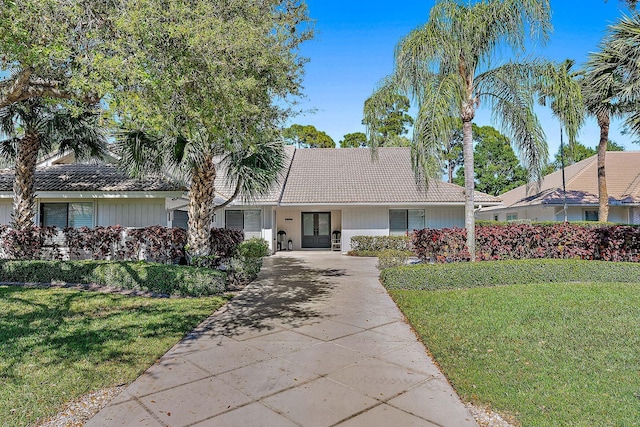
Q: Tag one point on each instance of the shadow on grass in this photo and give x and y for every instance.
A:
(284, 293)
(66, 327)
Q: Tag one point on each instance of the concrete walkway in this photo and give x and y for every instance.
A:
(316, 341)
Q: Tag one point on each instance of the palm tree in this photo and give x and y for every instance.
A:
(611, 89)
(446, 67)
(561, 87)
(35, 126)
(254, 166)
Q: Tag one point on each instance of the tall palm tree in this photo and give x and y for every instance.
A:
(560, 86)
(35, 126)
(447, 68)
(254, 166)
(611, 89)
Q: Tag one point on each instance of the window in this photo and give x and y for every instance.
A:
(248, 221)
(404, 221)
(591, 215)
(63, 215)
(495, 217)
(512, 217)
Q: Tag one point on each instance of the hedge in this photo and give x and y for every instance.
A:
(144, 276)
(480, 274)
(525, 241)
(380, 243)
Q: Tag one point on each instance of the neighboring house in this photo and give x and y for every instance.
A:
(546, 204)
(92, 195)
(323, 191)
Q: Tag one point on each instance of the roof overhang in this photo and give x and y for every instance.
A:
(100, 194)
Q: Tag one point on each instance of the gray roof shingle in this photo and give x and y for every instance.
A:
(623, 183)
(87, 177)
(350, 175)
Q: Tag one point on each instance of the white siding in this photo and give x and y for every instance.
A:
(5, 212)
(444, 217)
(132, 212)
(369, 221)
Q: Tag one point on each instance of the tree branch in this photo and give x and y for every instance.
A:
(25, 87)
(230, 199)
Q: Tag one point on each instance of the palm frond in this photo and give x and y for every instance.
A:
(509, 92)
(141, 153)
(437, 120)
(255, 167)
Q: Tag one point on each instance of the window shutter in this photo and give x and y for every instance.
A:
(397, 221)
(80, 215)
(234, 220)
(252, 224)
(54, 215)
(416, 219)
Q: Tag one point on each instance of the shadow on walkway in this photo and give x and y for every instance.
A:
(285, 293)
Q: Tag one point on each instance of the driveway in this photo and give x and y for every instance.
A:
(315, 341)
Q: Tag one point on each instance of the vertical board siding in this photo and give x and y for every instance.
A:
(369, 221)
(131, 213)
(444, 217)
(5, 212)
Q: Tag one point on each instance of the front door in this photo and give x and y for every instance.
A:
(316, 229)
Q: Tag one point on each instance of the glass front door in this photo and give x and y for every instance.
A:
(316, 229)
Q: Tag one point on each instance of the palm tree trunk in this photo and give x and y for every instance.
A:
(469, 187)
(201, 201)
(24, 200)
(603, 194)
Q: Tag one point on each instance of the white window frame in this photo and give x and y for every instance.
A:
(407, 226)
(248, 234)
(68, 205)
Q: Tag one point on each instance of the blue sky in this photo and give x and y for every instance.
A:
(353, 50)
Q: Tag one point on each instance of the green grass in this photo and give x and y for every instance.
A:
(549, 354)
(458, 275)
(58, 344)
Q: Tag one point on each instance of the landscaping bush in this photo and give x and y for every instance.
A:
(379, 243)
(224, 242)
(525, 241)
(144, 276)
(469, 275)
(246, 265)
(364, 253)
(30, 243)
(392, 258)
(97, 242)
(159, 244)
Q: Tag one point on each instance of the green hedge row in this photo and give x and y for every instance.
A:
(380, 243)
(479, 274)
(151, 277)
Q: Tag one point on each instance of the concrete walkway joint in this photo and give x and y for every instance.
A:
(316, 341)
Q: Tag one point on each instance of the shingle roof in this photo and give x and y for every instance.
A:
(623, 183)
(349, 175)
(225, 188)
(87, 177)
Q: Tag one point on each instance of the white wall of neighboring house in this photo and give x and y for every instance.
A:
(5, 211)
(617, 214)
(131, 212)
(122, 211)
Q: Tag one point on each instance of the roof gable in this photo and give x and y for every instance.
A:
(623, 183)
(352, 176)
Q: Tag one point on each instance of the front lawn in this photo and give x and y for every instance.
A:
(548, 354)
(58, 344)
